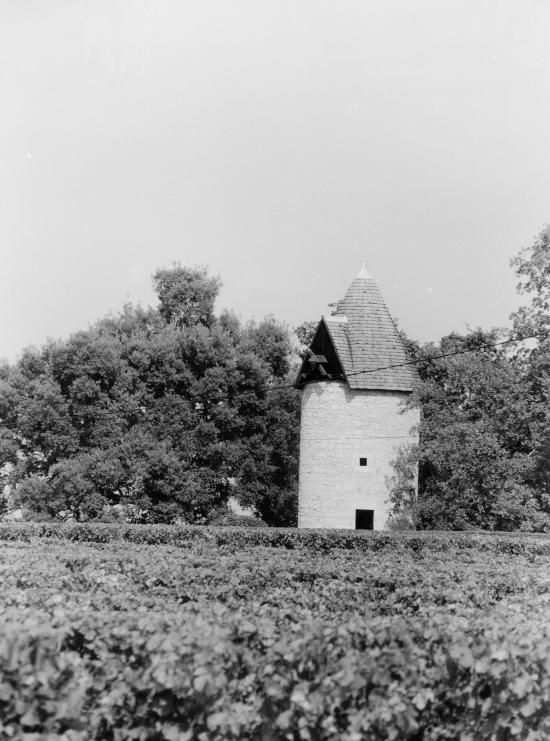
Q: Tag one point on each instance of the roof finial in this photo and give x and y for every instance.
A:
(364, 273)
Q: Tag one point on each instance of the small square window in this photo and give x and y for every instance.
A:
(362, 461)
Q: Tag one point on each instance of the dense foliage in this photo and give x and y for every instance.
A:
(484, 452)
(164, 412)
(243, 537)
(404, 637)
(533, 269)
(477, 466)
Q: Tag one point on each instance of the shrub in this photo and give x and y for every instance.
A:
(400, 521)
(408, 636)
(231, 519)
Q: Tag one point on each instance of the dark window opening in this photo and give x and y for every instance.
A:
(321, 361)
(362, 461)
(364, 519)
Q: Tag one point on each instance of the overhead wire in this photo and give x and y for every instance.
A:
(414, 361)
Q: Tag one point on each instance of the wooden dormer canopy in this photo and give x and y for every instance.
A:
(322, 362)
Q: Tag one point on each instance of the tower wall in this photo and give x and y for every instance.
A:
(338, 427)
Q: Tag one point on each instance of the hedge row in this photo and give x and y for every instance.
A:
(128, 577)
(130, 677)
(123, 640)
(323, 541)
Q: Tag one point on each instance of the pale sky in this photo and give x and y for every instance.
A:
(282, 143)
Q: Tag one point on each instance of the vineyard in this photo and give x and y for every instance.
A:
(121, 632)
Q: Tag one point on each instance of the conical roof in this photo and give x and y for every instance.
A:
(366, 340)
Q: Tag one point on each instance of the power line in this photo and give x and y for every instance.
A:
(433, 357)
(447, 355)
(487, 345)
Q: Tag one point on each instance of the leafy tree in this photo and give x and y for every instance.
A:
(305, 332)
(169, 410)
(475, 463)
(269, 474)
(36, 423)
(186, 295)
(532, 266)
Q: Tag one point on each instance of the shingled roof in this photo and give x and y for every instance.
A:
(365, 338)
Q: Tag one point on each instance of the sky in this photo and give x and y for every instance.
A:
(279, 143)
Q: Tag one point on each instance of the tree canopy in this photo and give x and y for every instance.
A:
(167, 412)
(484, 450)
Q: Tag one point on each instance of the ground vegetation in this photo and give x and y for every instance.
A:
(271, 634)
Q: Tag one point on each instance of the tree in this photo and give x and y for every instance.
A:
(169, 410)
(186, 295)
(475, 449)
(269, 475)
(36, 427)
(305, 332)
(532, 266)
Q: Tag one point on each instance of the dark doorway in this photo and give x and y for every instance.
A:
(364, 519)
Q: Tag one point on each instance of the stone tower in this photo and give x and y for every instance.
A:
(353, 419)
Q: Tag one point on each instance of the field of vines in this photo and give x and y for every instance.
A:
(120, 632)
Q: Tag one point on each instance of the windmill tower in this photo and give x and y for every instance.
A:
(353, 420)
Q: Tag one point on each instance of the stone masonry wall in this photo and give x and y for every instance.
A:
(339, 426)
